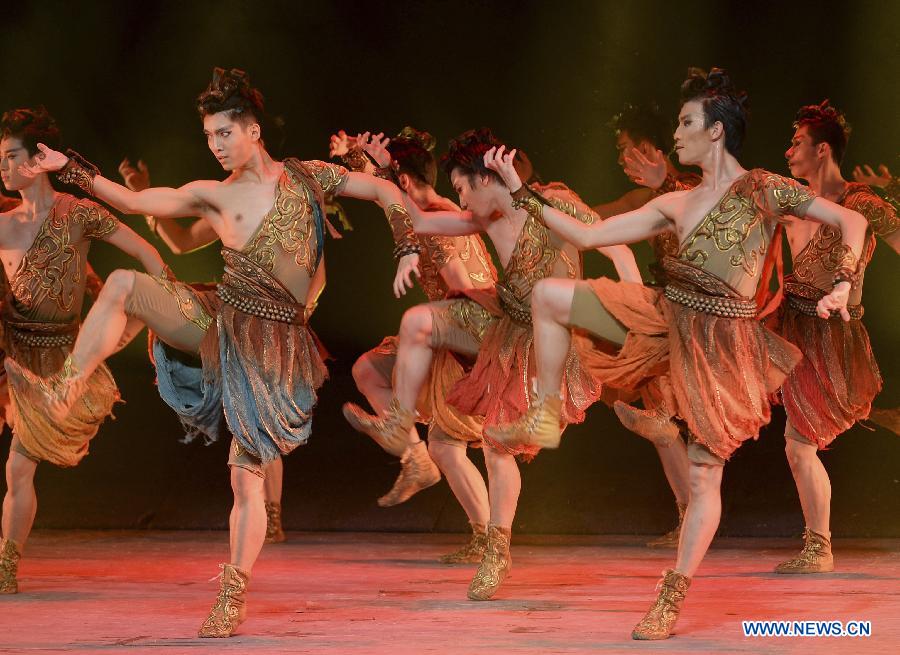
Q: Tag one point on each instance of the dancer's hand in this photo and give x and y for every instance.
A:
(866, 175)
(340, 144)
(46, 160)
(836, 301)
(501, 162)
(407, 265)
(136, 178)
(646, 171)
(376, 146)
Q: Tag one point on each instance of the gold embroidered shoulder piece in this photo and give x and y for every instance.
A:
(330, 177)
(881, 214)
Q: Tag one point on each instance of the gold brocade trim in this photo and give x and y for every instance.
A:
(187, 304)
(289, 225)
(532, 259)
(881, 215)
(728, 228)
(517, 311)
(470, 316)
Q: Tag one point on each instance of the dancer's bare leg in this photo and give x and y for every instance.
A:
(813, 484)
(702, 517)
(414, 356)
(504, 486)
(101, 334)
(248, 518)
(273, 482)
(676, 466)
(20, 501)
(463, 477)
(551, 305)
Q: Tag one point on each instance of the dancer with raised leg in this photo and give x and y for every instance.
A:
(704, 332)
(259, 364)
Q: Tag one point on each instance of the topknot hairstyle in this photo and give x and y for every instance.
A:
(412, 151)
(721, 102)
(825, 124)
(31, 126)
(230, 92)
(644, 123)
(466, 152)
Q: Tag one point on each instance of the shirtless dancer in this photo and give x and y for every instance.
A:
(260, 365)
(704, 332)
(44, 243)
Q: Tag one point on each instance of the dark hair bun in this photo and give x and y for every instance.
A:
(717, 82)
(421, 139)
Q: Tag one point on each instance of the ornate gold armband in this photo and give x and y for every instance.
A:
(355, 159)
(892, 189)
(848, 268)
(524, 198)
(78, 171)
(405, 239)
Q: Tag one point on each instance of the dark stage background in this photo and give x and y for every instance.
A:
(121, 79)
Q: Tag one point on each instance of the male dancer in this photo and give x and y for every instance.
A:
(449, 266)
(44, 242)
(496, 329)
(722, 364)
(260, 365)
(643, 135)
(834, 384)
(183, 239)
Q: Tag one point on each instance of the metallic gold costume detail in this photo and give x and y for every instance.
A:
(418, 472)
(230, 608)
(9, 566)
(728, 227)
(892, 190)
(718, 306)
(539, 426)
(660, 619)
(355, 159)
(405, 240)
(274, 531)
(495, 564)
(516, 310)
(670, 539)
(470, 316)
(52, 263)
(390, 431)
(78, 171)
(37, 340)
(787, 196)
(530, 204)
(472, 551)
(815, 557)
(808, 307)
(186, 302)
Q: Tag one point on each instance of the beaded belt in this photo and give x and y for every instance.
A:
(513, 308)
(41, 340)
(808, 307)
(272, 310)
(716, 305)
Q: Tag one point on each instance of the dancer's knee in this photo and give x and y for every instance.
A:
(118, 287)
(798, 452)
(247, 485)
(365, 374)
(705, 479)
(416, 325)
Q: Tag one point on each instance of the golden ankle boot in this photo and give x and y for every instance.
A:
(418, 473)
(472, 551)
(670, 539)
(815, 557)
(274, 531)
(390, 431)
(653, 426)
(9, 565)
(660, 619)
(494, 565)
(230, 608)
(63, 389)
(539, 426)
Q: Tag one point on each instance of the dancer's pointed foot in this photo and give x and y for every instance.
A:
(230, 608)
(815, 557)
(539, 426)
(660, 620)
(390, 431)
(495, 565)
(418, 473)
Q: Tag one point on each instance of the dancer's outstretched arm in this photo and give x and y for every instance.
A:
(129, 242)
(189, 200)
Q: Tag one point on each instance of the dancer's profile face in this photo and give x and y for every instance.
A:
(693, 140)
(803, 155)
(12, 155)
(474, 192)
(231, 142)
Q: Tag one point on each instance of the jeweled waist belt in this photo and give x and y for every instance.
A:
(513, 308)
(267, 308)
(806, 305)
(716, 305)
(34, 339)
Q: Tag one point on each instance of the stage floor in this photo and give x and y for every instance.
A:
(114, 591)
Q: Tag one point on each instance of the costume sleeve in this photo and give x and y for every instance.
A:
(96, 221)
(782, 195)
(331, 177)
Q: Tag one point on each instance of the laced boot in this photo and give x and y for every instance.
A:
(63, 389)
(495, 564)
(390, 431)
(274, 531)
(418, 472)
(660, 619)
(652, 425)
(815, 557)
(230, 608)
(472, 551)
(539, 426)
(9, 565)
(670, 539)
